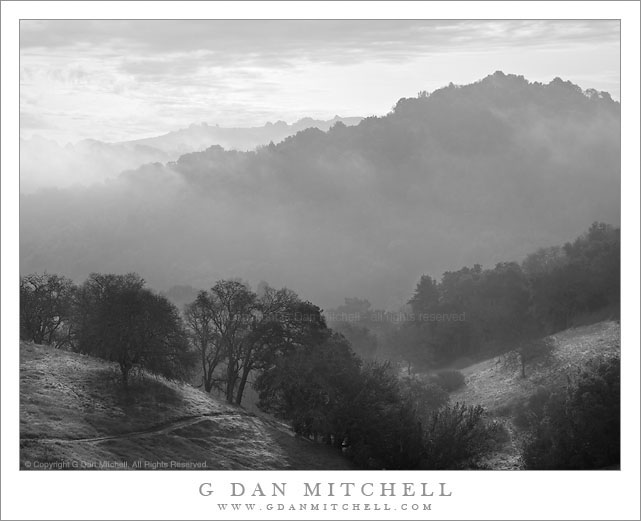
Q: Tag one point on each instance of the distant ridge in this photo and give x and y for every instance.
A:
(200, 136)
(472, 174)
(44, 163)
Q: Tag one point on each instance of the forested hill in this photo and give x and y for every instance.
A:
(45, 164)
(470, 174)
(200, 137)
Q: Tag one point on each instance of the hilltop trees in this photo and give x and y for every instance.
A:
(476, 312)
(426, 295)
(467, 312)
(118, 319)
(270, 329)
(232, 306)
(45, 307)
(238, 331)
(379, 189)
(113, 317)
(230, 330)
(202, 333)
(581, 277)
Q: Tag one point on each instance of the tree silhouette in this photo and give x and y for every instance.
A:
(118, 319)
(45, 307)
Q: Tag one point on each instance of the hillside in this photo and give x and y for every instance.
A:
(46, 164)
(200, 137)
(480, 173)
(502, 391)
(74, 411)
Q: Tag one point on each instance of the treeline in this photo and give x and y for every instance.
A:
(114, 317)
(543, 154)
(304, 372)
(470, 313)
(225, 333)
(474, 313)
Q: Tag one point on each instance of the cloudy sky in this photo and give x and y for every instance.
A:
(119, 80)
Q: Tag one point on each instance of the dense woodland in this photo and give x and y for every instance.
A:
(468, 174)
(474, 312)
(342, 384)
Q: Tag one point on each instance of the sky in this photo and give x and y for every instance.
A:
(117, 80)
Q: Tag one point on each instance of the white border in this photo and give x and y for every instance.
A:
(477, 495)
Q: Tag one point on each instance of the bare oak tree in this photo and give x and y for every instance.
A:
(45, 306)
(199, 319)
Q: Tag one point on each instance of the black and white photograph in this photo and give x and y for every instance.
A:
(385, 244)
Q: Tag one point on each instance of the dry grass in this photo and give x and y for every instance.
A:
(74, 410)
(494, 385)
(501, 390)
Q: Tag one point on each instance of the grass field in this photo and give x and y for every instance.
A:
(74, 410)
(502, 391)
(75, 413)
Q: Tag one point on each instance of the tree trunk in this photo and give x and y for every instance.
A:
(125, 368)
(208, 375)
(231, 383)
(39, 336)
(241, 386)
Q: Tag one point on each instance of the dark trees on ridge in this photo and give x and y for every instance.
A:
(204, 337)
(45, 307)
(510, 306)
(118, 319)
(237, 330)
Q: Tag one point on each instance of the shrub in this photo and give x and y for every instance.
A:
(531, 410)
(498, 434)
(581, 426)
(423, 397)
(450, 380)
(456, 437)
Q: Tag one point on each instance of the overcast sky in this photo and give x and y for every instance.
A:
(121, 80)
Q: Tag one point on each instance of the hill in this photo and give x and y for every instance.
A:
(75, 413)
(200, 137)
(481, 173)
(502, 391)
(46, 164)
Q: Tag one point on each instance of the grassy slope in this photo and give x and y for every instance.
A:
(501, 390)
(74, 408)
